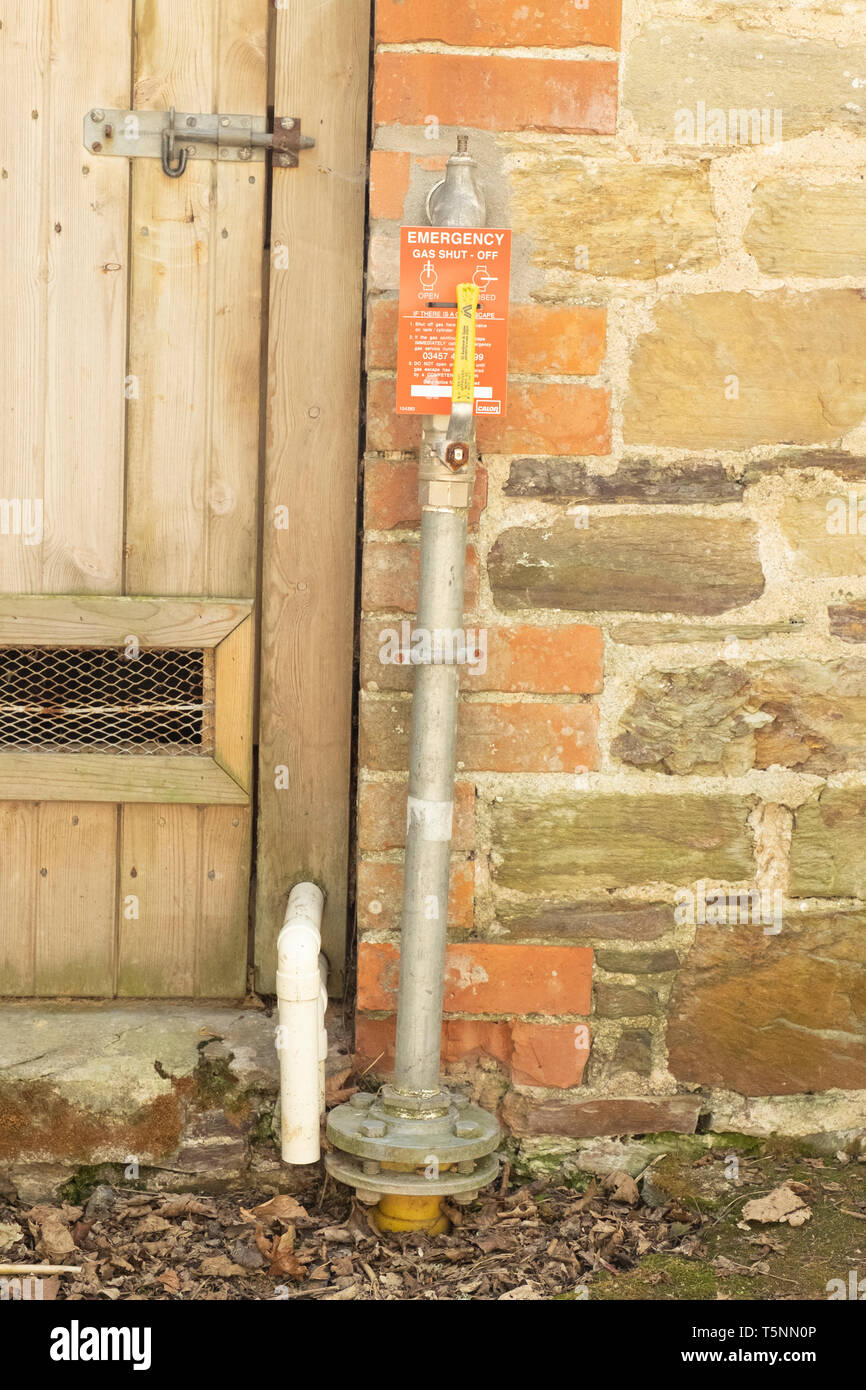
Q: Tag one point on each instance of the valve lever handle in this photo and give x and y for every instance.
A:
(457, 440)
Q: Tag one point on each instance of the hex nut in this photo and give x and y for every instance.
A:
(466, 1129)
(374, 1129)
(361, 1100)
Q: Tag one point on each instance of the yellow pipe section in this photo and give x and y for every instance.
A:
(396, 1212)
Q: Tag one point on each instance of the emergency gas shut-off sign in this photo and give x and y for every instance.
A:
(433, 262)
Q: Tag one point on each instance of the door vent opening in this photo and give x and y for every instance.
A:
(99, 699)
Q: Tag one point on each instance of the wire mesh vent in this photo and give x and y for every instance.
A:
(99, 699)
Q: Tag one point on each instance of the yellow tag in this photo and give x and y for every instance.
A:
(463, 391)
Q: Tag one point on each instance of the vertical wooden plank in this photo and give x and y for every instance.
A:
(170, 313)
(159, 901)
(24, 271)
(238, 248)
(184, 870)
(322, 49)
(86, 227)
(233, 732)
(19, 846)
(192, 470)
(63, 228)
(75, 922)
(24, 42)
(221, 957)
(87, 231)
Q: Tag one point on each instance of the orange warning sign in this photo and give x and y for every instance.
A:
(433, 262)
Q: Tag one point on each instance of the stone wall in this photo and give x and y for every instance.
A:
(658, 898)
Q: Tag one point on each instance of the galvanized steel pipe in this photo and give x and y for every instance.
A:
(457, 201)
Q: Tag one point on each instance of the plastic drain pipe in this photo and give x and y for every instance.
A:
(302, 1042)
(417, 1142)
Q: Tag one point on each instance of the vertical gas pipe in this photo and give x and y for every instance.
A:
(446, 481)
(416, 1142)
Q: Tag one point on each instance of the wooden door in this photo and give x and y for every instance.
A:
(136, 481)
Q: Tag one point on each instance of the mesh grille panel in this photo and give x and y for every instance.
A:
(96, 699)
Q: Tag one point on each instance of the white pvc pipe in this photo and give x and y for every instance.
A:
(301, 1040)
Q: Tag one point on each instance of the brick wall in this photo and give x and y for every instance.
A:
(667, 554)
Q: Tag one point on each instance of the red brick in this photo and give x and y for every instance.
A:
(549, 1054)
(389, 183)
(493, 93)
(567, 339)
(537, 660)
(381, 333)
(541, 418)
(499, 23)
(380, 897)
(382, 816)
(391, 494)
(388, 432)
(390, 577)
(490, 737)
(481, 977)
(484, 978)
(549, 418)
(462, 1040)
(374, 1042)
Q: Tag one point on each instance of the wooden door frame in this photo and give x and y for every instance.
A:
(308, 606)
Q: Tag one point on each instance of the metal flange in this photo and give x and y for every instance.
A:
(437, 1144)
(369, 1187)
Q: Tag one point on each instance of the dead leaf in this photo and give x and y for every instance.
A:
(220, 1265)
(150, 1224)
(780, 1205)
(523, 1293)
(334, 1087)
(338, 1235)
(186, 1206)
(55, 1242)
(283, 1208)
(621, 1187)
(169, 1280)
(10, 1234)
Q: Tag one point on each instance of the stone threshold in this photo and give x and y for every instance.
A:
(166, 1094)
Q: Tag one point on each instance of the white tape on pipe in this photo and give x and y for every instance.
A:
(434, 817)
